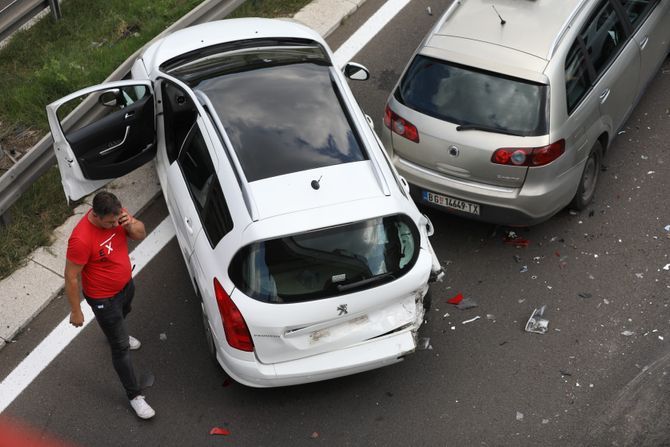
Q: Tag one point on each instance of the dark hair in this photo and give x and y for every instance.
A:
(105, 203)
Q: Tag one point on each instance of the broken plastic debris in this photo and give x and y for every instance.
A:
(314, 435)
(163, 336)
(627, 333)
(524, 269)
(667, 228)
(490, 317)
(639, 275)
(219, 431)
(536, 323)
(455, 300)
(424, 343)
(519, 416)
(666, 267)
(466, 303)
(585, 295)
(471, 320)
(429, 11)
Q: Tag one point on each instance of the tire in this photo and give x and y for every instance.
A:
(211, 347)
(589, 180)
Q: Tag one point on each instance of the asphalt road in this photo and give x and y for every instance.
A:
(482, 383)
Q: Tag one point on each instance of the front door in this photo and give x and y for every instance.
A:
(116, 137)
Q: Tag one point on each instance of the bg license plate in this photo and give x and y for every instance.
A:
(450, 202)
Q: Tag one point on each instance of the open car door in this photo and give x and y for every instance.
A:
(116, 137)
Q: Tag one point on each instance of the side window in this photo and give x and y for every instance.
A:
(204, 187)
(636, 10)
(179, 114)
(603, 36)
(576, 76)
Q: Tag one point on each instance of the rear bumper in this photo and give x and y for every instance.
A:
(531, 204)
(362, 357)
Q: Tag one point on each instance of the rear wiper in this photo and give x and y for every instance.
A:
(487, 129)
(363, 282)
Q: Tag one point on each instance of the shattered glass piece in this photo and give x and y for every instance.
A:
(424, 343)
(640, 275)
(466, 303)
(455, 300)
(490, 317)
(536, 323)
(524, 269)
(219, 431)
(471, 320)
(627, 333)
(519, 416)
(517, 258)
(163, 336)
(666, 267)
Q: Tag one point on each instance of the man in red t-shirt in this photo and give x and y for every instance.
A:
(97, 253)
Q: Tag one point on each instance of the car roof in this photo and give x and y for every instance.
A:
(531, 26)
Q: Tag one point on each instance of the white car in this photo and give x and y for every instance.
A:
(309, 256)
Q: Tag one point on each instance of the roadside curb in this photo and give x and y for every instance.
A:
(27, 291)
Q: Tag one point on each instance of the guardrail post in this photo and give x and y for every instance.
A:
(55, 9)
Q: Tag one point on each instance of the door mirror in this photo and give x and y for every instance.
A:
(110, 98)
(356, 72)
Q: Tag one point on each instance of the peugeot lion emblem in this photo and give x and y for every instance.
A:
(342, 309)
(454, 151)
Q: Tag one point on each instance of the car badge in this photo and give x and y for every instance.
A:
(342, 309)
(454, 151)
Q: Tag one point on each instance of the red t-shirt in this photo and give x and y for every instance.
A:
(104, 255)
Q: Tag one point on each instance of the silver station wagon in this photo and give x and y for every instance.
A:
(507, 107)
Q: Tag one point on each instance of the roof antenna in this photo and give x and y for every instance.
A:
(502, 21)
(315, 183)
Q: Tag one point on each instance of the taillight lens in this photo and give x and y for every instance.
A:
(237, 332)
(529, 156)
(400, 125)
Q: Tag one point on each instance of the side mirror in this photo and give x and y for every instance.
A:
(356, 72)
(110, 98)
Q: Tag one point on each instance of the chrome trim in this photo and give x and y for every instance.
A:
(446, 16)
(566, 26)
(110, 149)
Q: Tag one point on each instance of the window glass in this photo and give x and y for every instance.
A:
(179, 114)
(576, 77)
(466, 96)
(204, 187)
(327, 262)
(636, 10)
(603, 36)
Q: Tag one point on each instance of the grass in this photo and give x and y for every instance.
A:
(55, 58)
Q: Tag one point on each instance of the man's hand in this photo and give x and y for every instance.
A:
(77, 318)
(134, 227)
(125, 220)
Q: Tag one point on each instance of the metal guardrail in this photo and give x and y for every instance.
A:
(18, 12)
(41, 157)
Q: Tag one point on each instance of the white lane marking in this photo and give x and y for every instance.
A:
(19, 379)
(365, 33)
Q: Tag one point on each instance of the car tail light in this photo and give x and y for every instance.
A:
(237, 332)
(400, 125)
(529, 156)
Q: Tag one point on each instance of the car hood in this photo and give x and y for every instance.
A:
(222, 31)
(315, 188)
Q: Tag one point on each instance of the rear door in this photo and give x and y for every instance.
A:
(116, 136)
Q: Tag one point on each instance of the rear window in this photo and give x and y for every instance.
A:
(327, 262)
(467, 96)
(282, 111)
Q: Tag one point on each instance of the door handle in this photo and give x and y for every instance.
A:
(128, 115)
(187, 223)
(111, 148)
(604, 95)
(644, 42)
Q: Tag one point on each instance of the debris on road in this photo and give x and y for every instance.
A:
(666, 267)
(585, 295)
(467, 303)
(219, 431)
(429, 11)
(314, 435)
(519, 416)
(524, 269)
(163, 336)
(536, 323)
(455, 300)
(471, 320)
(627, 333)
(424, 343)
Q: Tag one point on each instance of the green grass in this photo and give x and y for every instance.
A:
(55, 58)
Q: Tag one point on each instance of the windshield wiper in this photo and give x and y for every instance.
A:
(363, 282)
(487, 129)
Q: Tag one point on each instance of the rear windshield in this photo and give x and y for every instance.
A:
(327, 262)
(281, 110)
(466, 96)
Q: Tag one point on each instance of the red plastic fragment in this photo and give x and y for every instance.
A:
(219, 431)
(518, 242)
(457, 299)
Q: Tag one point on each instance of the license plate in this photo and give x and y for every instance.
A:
(450, 202)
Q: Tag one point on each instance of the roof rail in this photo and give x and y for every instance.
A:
(446, 16)
(566, 26)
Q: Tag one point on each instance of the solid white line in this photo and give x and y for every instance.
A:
(19, 379)
(365, 33)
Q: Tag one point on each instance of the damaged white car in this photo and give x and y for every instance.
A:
(309, 256)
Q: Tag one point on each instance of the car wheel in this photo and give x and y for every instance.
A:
(209, 337)
(589, 180)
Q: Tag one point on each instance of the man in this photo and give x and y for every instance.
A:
(97, 253)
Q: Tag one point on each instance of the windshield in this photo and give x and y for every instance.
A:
(327, 262)
(470, 97)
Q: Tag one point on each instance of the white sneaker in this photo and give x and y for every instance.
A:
(134, 343)
(142, 408)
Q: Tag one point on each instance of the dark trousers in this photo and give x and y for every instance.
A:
(111, 315)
